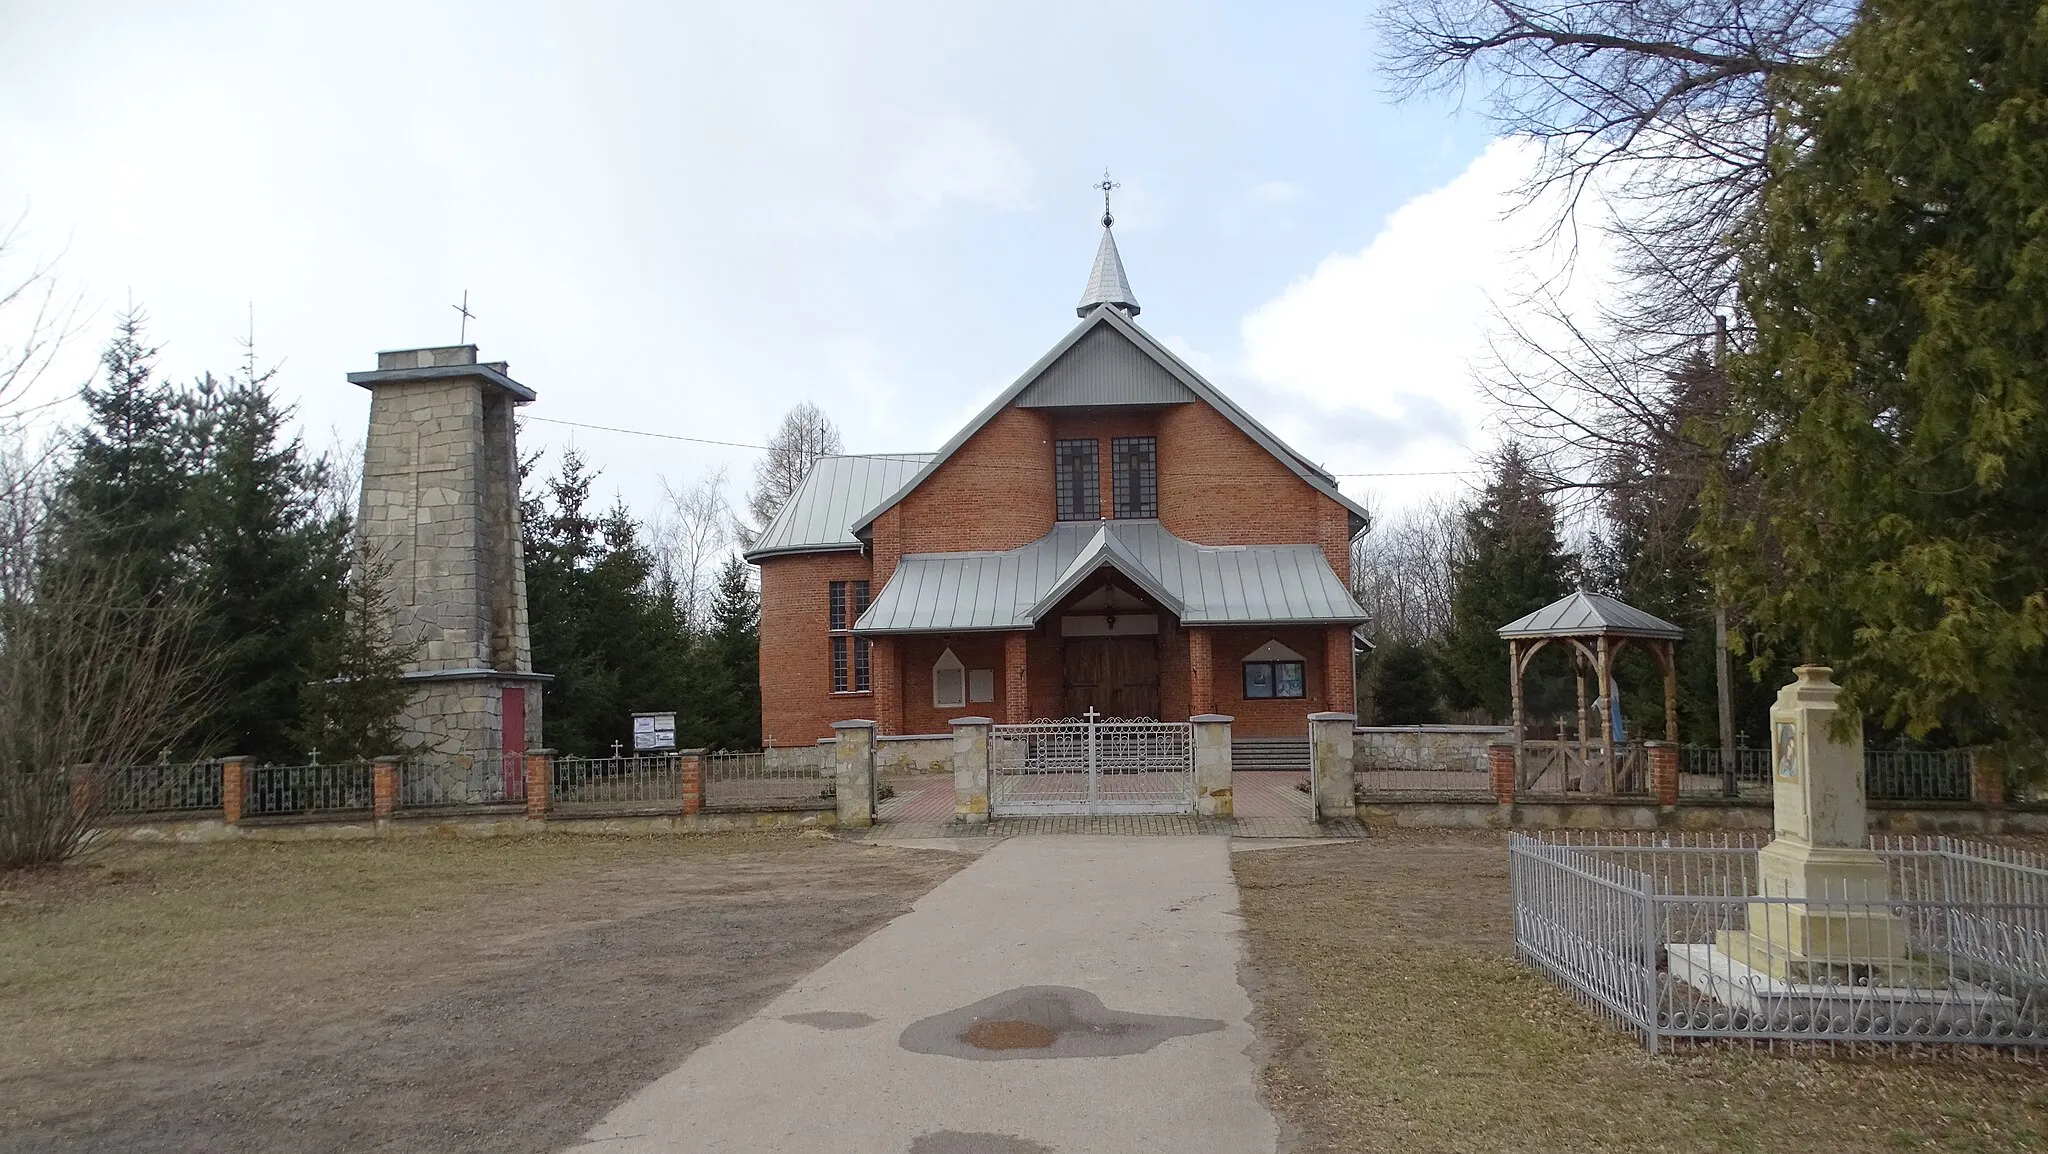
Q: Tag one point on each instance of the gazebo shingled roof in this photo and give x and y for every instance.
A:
(1589, 615)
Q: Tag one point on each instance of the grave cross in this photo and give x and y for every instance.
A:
(467, 317)
(616, 746)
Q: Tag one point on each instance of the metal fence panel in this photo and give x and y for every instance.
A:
(431, 781)
(162, 788)
(1888, 774)
(737, 780)
(280, 790)
(1088, 766)
(651, 781)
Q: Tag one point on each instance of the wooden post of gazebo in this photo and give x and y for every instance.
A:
(1611, 626)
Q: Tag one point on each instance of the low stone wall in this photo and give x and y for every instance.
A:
(1627, 814)
(1443, 748)
(914, 753)
(780, 759)
(476, 825)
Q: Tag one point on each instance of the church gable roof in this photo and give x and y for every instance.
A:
(819, 516)
(1113, 324)
(1103, 368)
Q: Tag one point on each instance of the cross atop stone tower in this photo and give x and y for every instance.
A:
(441, 507)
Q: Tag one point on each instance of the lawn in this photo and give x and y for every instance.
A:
(401, 994)
(1395, 1018)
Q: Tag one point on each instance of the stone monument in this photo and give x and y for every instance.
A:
(441, 508)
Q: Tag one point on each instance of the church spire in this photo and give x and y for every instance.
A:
(1107, 284)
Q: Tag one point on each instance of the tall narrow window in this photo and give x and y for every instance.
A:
(1076, 480)
(845, 601)
(1135, 477)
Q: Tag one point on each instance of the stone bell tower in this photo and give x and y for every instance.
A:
(441, 507)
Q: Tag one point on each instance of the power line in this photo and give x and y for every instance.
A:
(1007, 468)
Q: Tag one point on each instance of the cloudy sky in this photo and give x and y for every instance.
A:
(685, 218)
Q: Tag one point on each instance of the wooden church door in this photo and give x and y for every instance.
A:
(1115, 676)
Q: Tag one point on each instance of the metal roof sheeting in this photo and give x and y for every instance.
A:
(1590, 614)
(1201, 584)
(1107, 284)
(1103, 368)
(835, 493)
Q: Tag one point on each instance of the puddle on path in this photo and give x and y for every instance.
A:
(962, 1142)
(1044, 1022)
(831, 1019)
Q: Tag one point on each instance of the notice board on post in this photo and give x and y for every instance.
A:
(653, 731)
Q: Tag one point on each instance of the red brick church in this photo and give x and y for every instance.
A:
(1111, 533)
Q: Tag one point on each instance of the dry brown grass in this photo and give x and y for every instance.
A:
(1397, 1019)
(156, 955)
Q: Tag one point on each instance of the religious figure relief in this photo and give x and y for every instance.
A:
(1787, 752)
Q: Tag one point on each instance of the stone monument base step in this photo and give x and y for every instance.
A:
(1734, 983)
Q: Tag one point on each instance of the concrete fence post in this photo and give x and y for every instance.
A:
(1663, 771)
(971, 768)
(690, 768)
(1500, 768)
(1213, 795)
(853, 761)
(1329, 764)
(234, 772)
(383, 787)
(540, 783)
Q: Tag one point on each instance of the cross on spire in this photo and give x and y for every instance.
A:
(467, 317)
(1107, 186)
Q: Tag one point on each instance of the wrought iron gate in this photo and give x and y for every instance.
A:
(1092, 765)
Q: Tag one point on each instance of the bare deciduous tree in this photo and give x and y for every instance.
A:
(805, 434)
(91, 678)
(37, 317)
(691, 532)
(1403, 571)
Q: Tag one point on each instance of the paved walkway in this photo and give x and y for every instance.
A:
(1268, 806)
(1115, 956)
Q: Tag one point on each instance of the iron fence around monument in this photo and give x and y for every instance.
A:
(450, 780)
(751, 780)
(1666, 936)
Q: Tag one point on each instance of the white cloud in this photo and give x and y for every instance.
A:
(1372, 355)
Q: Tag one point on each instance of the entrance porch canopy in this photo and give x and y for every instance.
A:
(1199, 584)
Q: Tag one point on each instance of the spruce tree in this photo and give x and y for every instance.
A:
(350, 708)
(1514, 564)
(735, 643)
(1404, 690)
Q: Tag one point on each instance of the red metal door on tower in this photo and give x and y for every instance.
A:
(512, 738)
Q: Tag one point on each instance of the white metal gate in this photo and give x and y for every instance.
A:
(1092, 765)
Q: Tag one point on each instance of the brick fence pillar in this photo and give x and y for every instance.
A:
(1329, 764)
(1213, 794)
(1500, 766)
(234, 772)
(1663, 771)
(971, 767)
(80, 779)
(383, 787)
(690, 764)
(853, 760)
(540, 783)
(1987, 778)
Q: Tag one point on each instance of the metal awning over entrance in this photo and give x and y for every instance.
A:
(1092, 765)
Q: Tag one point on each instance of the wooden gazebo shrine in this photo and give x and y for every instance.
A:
(1597, 628)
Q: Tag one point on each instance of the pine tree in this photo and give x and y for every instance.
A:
(1513, 565)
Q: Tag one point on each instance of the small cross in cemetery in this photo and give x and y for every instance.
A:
(616, 746)
(467, 317)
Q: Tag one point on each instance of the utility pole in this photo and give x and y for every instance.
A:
(1723, 694)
